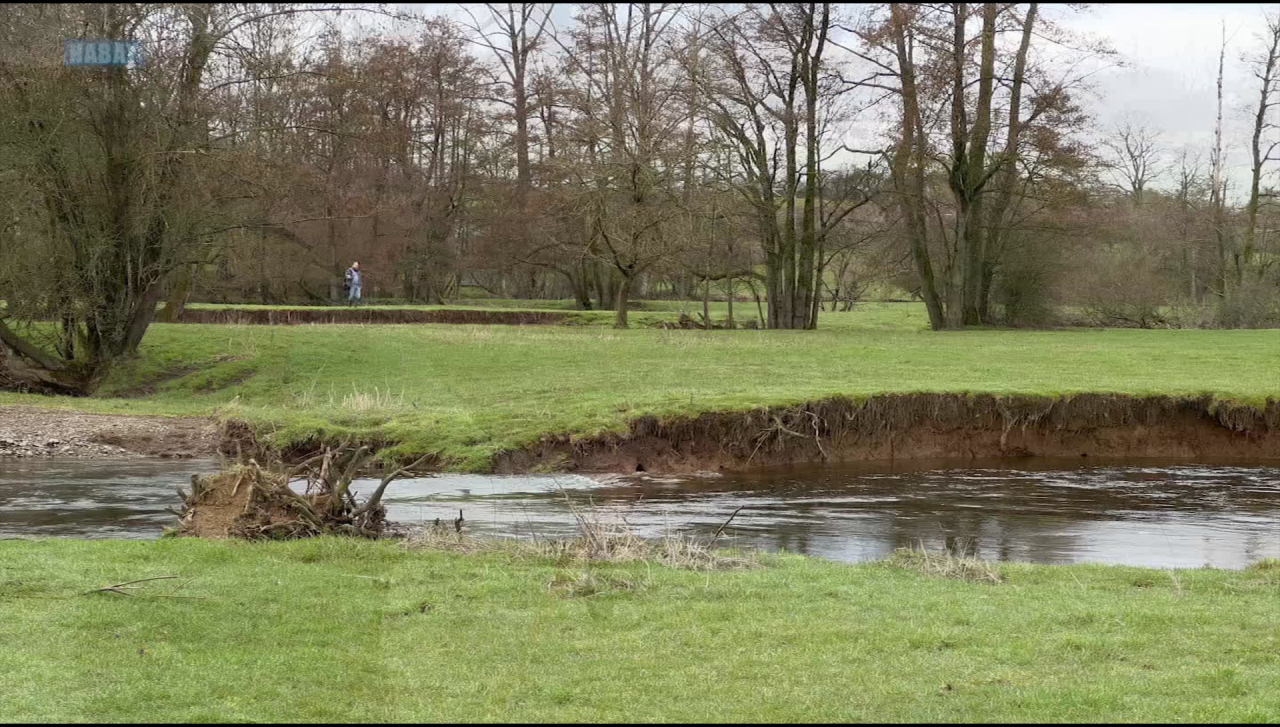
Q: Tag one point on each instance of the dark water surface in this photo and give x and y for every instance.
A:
(1157, 514)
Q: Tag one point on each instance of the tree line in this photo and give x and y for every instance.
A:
(797, 154)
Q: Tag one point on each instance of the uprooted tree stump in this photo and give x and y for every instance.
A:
(252, 502)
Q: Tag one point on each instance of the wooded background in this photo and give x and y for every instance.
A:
(802, 154)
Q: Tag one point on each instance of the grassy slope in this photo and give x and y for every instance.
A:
(331, 630)
(469, 391)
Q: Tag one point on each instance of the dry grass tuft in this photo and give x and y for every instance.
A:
(362, 401)
(945, 564)
(597, 542)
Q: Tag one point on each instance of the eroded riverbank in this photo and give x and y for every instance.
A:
(891, 427)
(919, 426)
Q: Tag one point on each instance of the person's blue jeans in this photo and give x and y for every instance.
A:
(354, 295)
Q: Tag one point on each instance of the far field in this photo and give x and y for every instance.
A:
(468, 391)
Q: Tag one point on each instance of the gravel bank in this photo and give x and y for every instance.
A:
(33, 432)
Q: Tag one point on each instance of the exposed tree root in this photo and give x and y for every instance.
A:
(251, 502)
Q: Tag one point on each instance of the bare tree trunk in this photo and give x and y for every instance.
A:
(908, 168)
(582, 286)
(815, 31)
(729, 320)
(1259, 157)
(706, 302)
(179, 291)
(977, 171)
(786, 299)
(996, 226)
(624, 290)
(1216, 201)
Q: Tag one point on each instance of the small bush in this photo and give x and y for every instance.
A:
(1123, 286)
(1022, 295)
(1252, 304)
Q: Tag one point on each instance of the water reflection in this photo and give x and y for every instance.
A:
(1046, 511)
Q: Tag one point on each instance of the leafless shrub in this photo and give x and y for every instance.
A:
(1251, 304)
(1122, 286)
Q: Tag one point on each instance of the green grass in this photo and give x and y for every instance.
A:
(468, 392)
(336, 630)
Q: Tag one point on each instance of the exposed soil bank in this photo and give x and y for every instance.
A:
(887, 427)
(294, 317)
(916, 426)
(35, 432)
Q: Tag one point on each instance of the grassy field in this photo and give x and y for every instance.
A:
(470, 391)
(338, 630)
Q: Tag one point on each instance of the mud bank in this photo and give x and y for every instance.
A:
(838, 429)
(294, 317)
(918, 426)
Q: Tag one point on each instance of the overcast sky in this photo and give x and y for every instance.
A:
(1168, 82)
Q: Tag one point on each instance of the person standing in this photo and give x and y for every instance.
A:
(351, 281)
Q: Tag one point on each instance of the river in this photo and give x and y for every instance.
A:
(1157, 514)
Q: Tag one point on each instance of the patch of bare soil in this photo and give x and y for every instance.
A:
(918, 426)
(34, 432)
(294, 317)
(246, 502)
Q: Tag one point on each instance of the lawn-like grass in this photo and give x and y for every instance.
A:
(468, 391)
(338, 630)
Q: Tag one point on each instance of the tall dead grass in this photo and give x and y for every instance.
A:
(597, 541)
(944, 564)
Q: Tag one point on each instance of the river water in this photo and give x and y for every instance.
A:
(1158, 514)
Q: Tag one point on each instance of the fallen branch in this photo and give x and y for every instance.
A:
(376, 497)
(726, 524)
(117, 587)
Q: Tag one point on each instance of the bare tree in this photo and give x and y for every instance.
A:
(1188, 195)
(626, 104)
(519, 34)
(1217, 197)
(956, 99)
(1265, 70)
(1133, 158)
(772, 93)
(111, 169)
(910, 156)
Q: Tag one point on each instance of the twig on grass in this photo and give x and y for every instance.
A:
(117, 588)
